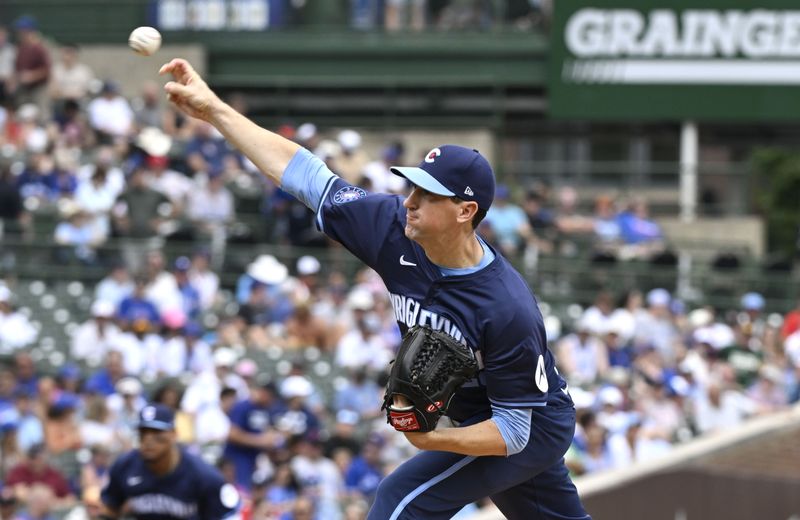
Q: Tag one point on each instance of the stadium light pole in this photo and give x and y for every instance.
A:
(688, 168)
(688, 199)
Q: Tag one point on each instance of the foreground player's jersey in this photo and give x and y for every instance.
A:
(193, 491)
(492, 310)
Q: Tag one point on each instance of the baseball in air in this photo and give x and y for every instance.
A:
(144, 40)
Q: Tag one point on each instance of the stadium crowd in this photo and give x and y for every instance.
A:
(278, 378)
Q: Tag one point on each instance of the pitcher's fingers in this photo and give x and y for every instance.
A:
(168, 67)
(175, 89)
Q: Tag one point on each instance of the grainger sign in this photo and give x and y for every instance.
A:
(648, 59)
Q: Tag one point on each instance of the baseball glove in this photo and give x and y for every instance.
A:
(429, 368)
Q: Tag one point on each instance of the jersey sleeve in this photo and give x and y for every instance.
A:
(113, 494)
(218, 499)
(238, 415)
(358, 220)
(514, 363)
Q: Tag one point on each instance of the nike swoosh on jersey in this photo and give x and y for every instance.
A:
(132, 481)
(403, 261)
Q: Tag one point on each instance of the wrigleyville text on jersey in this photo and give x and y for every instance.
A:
(410, 312)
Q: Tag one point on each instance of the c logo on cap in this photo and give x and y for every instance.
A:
(149, 413)
(432, 155)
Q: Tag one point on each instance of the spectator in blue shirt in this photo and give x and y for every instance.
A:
(366, 470)
(137, 306)
(252, 431)
(103, 381)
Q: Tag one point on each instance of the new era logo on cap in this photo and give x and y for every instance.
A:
(453, 171)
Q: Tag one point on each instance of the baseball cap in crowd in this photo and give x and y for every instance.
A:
(26, 23)
(224, 357)
(268, 270)
(5, 294)
(658, 298)
(183, 264)
(103, 309)
(246, 368)
(453, 171)
(157, 417)
(70, 371)
(9, 418)
(264, 380)
(346, 416)
(360, 299)
(502, 192)
(305, 132)
(753, 301)
(296, 386)
(65, 401)
(192, 329)
(349, 140)
(307, 265)
(174, 319)
(110, 87)
(128, 386)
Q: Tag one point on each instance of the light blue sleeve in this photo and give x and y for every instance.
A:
(514, 425)
(305, 177)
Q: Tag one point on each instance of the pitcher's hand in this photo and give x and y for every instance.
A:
(188, 91)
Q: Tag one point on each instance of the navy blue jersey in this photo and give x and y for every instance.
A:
(251, 418)
(492, 310)
(193, 491)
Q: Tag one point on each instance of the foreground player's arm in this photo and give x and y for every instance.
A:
(506, 433)
(268, 151)
(479, 439)
(112, 495)
(266, 440)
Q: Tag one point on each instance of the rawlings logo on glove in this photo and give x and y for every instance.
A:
(429, 368)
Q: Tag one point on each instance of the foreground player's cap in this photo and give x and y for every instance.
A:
(157, 417)
(453, 171)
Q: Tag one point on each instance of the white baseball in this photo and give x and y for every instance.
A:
(144, 40)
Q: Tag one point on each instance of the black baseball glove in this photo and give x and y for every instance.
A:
(429, 368)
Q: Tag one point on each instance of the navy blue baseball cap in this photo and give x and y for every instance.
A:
(157, 417)
(453, 171)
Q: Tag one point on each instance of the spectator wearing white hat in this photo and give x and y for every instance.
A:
(752, 322)
(379, 175)
(656, 327)
(597, 317)
(297, 418)
(351, 161)
(116, 286)
(308, 268)
(124, 406)
(16, 331)
(363, 345)
(307, 136)
(582, 356)
(203, 278)
(93, 338)
(202, 397)
(264, 292)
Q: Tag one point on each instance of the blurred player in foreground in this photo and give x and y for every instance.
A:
(516, 418)
(162, 481)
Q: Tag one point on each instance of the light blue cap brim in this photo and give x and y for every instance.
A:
(423, 179)
(156, 425)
